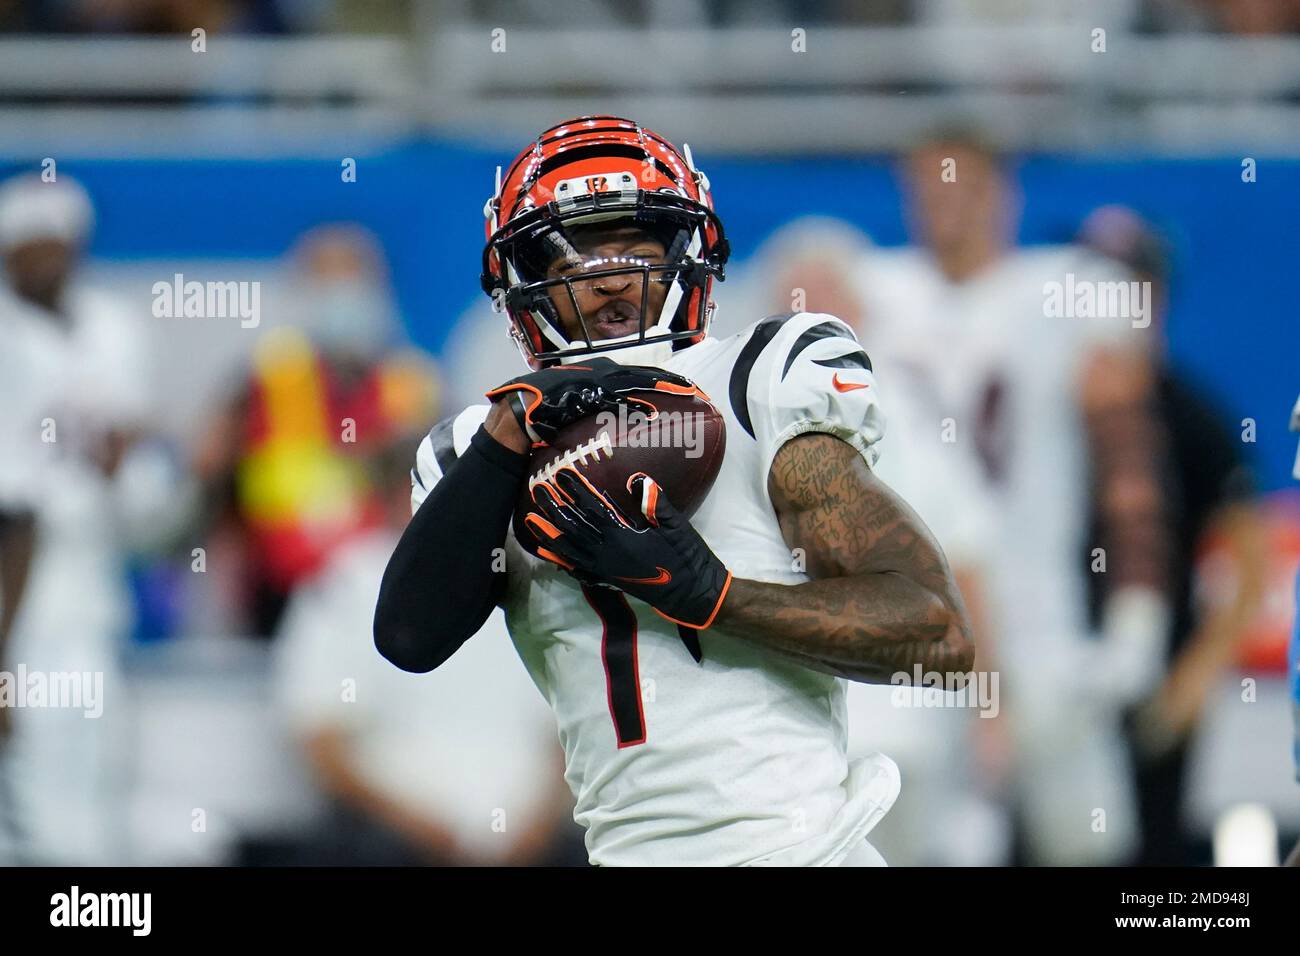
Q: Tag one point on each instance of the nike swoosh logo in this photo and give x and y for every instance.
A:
(663, 577)
(846, 386)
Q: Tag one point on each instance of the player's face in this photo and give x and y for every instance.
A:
(39, 269)
(968, 202)
(610, 305)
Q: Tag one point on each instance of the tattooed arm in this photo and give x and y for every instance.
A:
(882, 600)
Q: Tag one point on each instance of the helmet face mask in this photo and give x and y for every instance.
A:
(597, 263)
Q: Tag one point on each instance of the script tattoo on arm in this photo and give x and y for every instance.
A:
(882, 600)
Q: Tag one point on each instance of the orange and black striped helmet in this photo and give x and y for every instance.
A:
(597, 171)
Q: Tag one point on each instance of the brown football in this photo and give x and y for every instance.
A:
(679, 440)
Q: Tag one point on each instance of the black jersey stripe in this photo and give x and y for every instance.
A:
(442, 439)
(858, 359)
(738, 389)
(823, 330)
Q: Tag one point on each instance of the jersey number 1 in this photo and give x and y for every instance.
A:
(618, 654)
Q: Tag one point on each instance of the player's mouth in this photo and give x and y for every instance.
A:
(616, 319)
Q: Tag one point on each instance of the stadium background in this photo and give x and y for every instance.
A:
(422, 201)
(216, 164)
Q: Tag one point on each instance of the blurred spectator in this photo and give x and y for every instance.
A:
(343, 300)
(92, 487)
(1244, 17)
(22, 15)
(166, 16)
(723, 13)
(1013, 380)
(1209, 491)
(1254, 17)
(283, 463)
(968, 13)
(456, 767)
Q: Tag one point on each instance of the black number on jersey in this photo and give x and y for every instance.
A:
(992, 430)
(618, 654)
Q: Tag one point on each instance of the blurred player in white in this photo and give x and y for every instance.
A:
(695, 666)
(1027, 390)
(83, 388)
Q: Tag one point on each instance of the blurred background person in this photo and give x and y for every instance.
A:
(1020, 386)
(102, 488)
(282, 463)
(1209, 492)
(456, 767)
(23, 404)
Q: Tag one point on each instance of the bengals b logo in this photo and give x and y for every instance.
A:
(597, 184)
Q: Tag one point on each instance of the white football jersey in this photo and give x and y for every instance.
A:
(738, 758)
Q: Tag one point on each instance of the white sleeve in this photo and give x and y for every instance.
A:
(445, 442)
(813, 376)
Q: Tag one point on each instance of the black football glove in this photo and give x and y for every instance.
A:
(667, 565)
(546, 401)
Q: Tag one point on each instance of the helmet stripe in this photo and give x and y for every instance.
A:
(560, 160)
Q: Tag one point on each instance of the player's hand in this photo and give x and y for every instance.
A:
(546, 401)
(667, 565)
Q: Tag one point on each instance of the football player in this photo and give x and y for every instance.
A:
(696, 668)
(1057, 411)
